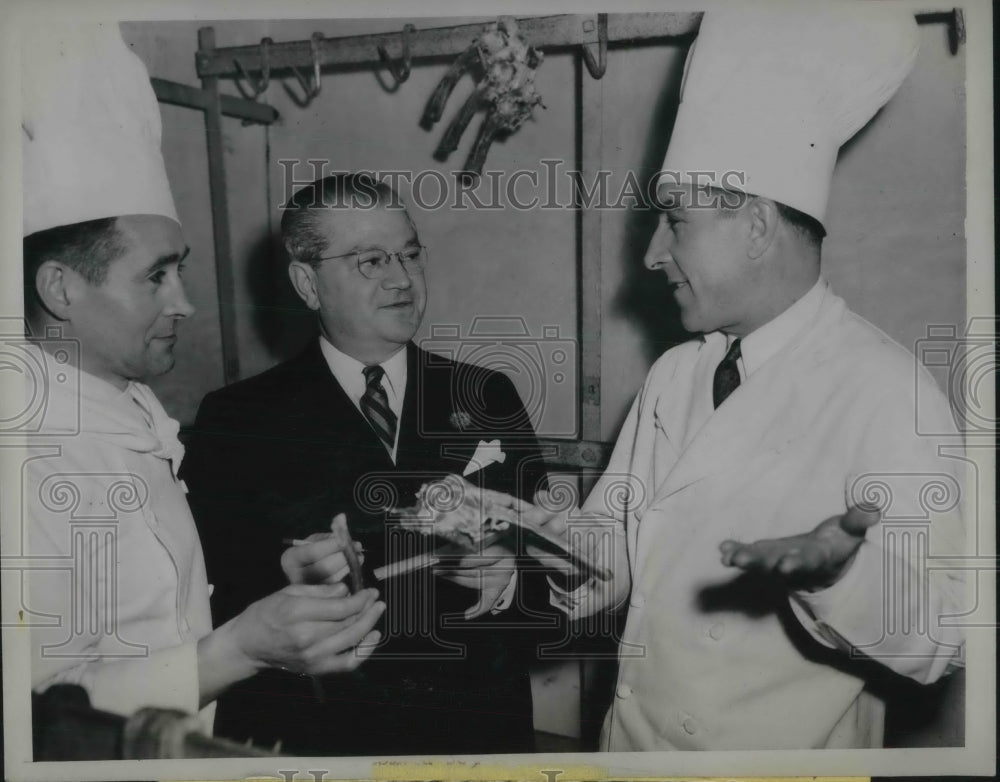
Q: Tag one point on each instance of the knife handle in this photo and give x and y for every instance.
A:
(403, 566)
(339, 529)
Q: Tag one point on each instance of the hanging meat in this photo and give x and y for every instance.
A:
(505, 65)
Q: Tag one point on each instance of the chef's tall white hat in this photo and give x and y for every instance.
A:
(772, 89)
(90, 129)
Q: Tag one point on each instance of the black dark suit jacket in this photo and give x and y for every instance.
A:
(277, 456)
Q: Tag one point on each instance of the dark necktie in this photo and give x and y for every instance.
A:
(727, 375)
(375, 406)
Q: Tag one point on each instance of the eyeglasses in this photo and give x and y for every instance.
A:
(375, 264)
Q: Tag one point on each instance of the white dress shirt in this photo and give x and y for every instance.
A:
(349, 372)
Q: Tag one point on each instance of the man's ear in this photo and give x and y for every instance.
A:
(53, 282)
(764, 220)
(303, 277)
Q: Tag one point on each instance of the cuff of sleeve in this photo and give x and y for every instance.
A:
(819, 611)
(566, 600)
(167, 678)
(207, 719)
(507, 596)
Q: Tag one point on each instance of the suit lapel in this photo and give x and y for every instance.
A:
(433, 436)
(425, 433)
(329, 410)
(409, 420)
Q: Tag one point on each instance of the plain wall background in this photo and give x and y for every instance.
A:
(895, 251)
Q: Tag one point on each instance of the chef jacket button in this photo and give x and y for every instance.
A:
(716, 631)
(689, 726)
(623, 691)
(638, 600)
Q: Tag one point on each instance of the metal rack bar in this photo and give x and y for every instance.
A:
(225, 281)
(550, 32)
(560, 454)
(589, 255)
(177, 94)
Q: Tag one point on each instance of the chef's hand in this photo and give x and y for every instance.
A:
(311, 629)
(811, 561)
(488, 572)
(319, 560)
(554, 522)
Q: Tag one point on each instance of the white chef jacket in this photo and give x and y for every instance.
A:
(823, 419)
(120, 597)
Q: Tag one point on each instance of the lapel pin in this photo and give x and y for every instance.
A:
(460, 419)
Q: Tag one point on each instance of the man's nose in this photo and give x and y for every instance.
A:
(180, 305)
(658, 253)
(396, 275)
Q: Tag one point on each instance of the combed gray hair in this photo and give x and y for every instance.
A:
(302, 229)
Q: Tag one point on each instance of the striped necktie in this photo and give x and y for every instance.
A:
(727, 375)
(375, 406)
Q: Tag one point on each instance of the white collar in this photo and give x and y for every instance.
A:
(349, 372)
(757, 347)
(131, 418)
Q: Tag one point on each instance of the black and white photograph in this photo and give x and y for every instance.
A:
(533, 392)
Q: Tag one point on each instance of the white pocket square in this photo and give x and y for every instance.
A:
(487, 453)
